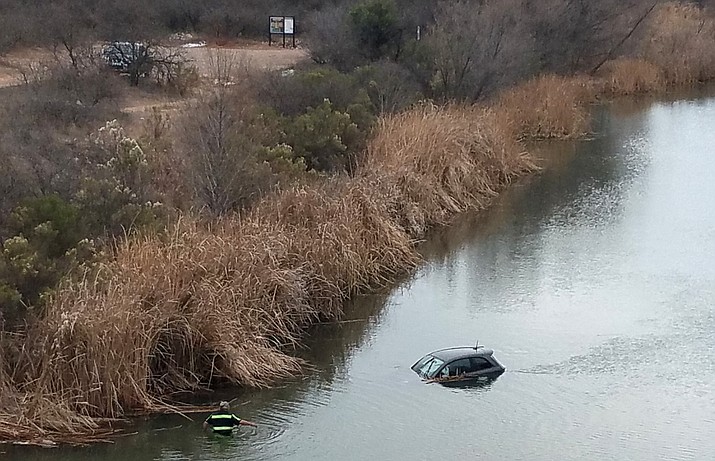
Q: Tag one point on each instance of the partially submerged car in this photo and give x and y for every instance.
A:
(459, 364)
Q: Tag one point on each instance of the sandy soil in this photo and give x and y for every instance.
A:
(13, 64)
(137, 103)
(256, 56)
(253, 55)
(249, 56)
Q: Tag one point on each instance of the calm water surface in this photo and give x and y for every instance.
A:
(594, 283)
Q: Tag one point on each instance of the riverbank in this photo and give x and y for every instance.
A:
(224, 302)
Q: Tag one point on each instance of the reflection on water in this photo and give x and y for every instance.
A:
(593, 281)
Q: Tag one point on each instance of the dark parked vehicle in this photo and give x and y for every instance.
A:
(123, 55)
(459, 364)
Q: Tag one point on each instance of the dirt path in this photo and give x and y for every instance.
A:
(251, 55)
(137, 104)
(14, 63)
(256, 56)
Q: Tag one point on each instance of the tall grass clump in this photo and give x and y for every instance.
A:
(680, 41)
(550, 106)
(432, 162)
(214, 304)
(625, 76)
(190, 310)
(344, 235)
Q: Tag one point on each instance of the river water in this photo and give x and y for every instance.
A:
(594, 282)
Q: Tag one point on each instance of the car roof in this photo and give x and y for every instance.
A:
(452, 353)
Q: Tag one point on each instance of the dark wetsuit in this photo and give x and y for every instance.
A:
(223, 422)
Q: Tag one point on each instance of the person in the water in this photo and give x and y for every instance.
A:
(223, 421)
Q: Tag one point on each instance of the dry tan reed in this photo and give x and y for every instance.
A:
(626, 76)
(432, 162)
(550, 106)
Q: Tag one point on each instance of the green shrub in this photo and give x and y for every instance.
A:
(116, 193)
(53, 222)
(49, 236)
(292, 95)
(375, 24)
(47, 232)
(326, 138)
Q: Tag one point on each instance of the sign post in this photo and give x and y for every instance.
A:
(283, 26)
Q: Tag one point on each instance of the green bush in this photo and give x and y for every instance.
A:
(51, 221)
(292, 95)
(328, 139)
(47, 232)
(116, 193)
(375, 24)
(322, 114)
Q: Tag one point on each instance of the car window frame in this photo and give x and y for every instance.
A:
(485, 359)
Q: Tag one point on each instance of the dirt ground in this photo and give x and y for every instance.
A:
(137, 103)
(257, 56)
(248, 56)
(14, 63)
(252, 55)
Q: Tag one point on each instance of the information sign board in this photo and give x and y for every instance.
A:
(281, 25)
(277, 24)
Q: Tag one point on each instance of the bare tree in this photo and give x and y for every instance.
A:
(331, 39)
(390, 86)
(475, 48)
(71, 32)
(138, 60)
(578, 34)
(221, 139)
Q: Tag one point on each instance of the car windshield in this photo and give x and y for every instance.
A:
(428, 366)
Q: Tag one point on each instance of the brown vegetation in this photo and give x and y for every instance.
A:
(548, 107)
(437, 161)
(625, 76)
(680, 43)
(674, 50)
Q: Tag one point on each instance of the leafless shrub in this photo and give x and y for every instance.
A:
(475, 49)
(171, 70)
(330, 38)
(680, 41)
(577, 35)
(222, 140)
(391, 87)
(41, 124)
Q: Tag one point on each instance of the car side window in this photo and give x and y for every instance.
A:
(459, 367)
(479, 363)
